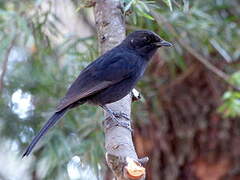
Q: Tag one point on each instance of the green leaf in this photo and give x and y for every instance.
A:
(128, 6)
(169, 4)
(235, 79)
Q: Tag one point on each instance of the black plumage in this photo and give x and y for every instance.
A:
(109, 78)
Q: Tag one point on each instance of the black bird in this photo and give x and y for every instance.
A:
(109, 78)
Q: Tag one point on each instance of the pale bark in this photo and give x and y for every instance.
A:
(111, 30)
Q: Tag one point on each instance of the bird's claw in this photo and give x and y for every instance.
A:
(115, 115)
(120, 115)
(126, 125)
(122, 123)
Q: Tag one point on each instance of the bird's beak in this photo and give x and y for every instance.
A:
(163, 43)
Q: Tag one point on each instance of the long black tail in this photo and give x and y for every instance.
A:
(50, 123)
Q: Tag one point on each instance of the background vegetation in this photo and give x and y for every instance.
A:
(188, 119)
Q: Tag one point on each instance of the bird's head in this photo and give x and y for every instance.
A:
(145, 42)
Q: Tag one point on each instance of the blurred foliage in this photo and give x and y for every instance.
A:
(212, 28)
(43, 68)
(231, 98)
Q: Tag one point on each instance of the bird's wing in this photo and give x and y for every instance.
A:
(102, 73)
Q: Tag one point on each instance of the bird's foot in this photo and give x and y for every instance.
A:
(120, 115)
(125, 124)
(116, 116)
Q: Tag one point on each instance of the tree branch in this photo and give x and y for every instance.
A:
(203, 60)
(121, 156)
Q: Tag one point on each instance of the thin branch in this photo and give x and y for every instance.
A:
(203, 60)
(5, 62)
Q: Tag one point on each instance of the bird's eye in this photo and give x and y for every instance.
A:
(146, 38)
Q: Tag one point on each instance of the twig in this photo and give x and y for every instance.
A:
(203, 60)
(5, 62)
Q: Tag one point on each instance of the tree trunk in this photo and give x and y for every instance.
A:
(118, 140)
